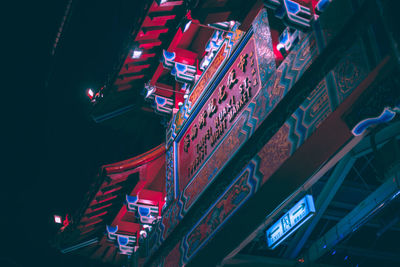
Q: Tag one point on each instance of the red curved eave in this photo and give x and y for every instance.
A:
(135, 162)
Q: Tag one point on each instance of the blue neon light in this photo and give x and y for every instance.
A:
(290, 221)
(386, 116)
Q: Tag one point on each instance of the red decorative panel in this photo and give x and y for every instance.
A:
(239, 85)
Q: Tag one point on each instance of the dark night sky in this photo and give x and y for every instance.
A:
(54, 149)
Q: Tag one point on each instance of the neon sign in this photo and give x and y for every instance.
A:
(290, 222)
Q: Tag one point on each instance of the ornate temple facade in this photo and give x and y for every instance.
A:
(281, 142)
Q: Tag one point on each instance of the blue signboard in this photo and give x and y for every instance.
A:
(288, 223)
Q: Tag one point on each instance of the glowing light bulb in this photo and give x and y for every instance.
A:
(137, 53)
(57, 219)
(90, 93)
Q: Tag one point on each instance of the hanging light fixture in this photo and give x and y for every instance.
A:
(57, 219)
(185, 24)
(136, 53)
(94, 94)
(90, 93)
(150, 89)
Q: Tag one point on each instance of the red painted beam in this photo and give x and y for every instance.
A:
(86, 222)
(146, 30)
(103, 245)
(128, 228)
(161, 20)
(150, 197)
(163, 89)
(112, 190)
(196, 36)
(185, 56)
(122, 175)
(160, 71)
(136, 161)
(150, 33)
(120, 215)
(87, 231)
(127, 79)
(108, 188)
(97, 215)
(96, 206)
(89, 210)
(110, 254)
(129, 69)
(104, 198)
(149, 44)
(124, 87)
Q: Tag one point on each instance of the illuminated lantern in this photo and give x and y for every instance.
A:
(90, 93)
(137, 53)
(57, 219)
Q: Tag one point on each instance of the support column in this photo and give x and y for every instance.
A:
(356, 218)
